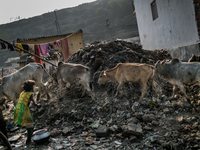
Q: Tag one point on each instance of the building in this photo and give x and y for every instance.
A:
(173, 25)
(75, 42)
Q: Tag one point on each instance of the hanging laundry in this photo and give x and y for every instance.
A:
(43, 49)
(31, 48)
(64, 48)
(3, 46)
(19, 45)
(51, 45)
(11, 47)
(57, 43)
(48, 47)
(25, 47)
(37, 53)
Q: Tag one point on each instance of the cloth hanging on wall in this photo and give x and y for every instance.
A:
(64, 48)
(37, 53)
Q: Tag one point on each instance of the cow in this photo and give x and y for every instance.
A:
(129, 72)
(11, 85)
(179, 73)
(69, 73)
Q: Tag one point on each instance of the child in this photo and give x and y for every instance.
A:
(22, 114)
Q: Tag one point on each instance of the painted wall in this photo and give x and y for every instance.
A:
(174, 27)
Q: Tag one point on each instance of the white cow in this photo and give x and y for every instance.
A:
(68, 74)
(11, 85)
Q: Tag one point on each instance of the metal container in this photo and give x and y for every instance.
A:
(41, 136)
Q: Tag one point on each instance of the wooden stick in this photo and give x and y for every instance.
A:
(28, 52)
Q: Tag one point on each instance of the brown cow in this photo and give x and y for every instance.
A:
(69, 73)
(129, 72)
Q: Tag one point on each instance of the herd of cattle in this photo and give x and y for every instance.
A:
(175, 72)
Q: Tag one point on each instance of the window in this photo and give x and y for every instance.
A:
(154, 10)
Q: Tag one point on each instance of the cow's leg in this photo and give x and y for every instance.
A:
(181, 87)
(120, 85)
(60, 84)
(174, 90)
(144, 86)
(156, 86)
(87, 87)
(83, 93)
(42, 87)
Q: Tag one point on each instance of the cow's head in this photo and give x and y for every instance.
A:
(159, 66)
(102, 78)
(159, 63)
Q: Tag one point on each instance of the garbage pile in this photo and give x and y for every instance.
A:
(109, 122)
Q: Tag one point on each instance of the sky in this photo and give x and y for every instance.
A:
(13, 10)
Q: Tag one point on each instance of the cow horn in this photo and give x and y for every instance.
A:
(158, 62)
(163, 61)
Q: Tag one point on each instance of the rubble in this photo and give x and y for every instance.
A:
(109, 122)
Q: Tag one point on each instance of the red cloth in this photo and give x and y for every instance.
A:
(37, 53)
(64, 48)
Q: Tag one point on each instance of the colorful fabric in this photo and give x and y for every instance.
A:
(18, 45)
(43, 49)
(57, 43)
(51, 45)
(22, 114)
(25, 47)
(48, 47)
(31, 48)
(64, 49)
(37, 53)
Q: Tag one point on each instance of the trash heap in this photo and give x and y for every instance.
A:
(108, 122)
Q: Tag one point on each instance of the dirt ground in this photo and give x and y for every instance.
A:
(108, 122)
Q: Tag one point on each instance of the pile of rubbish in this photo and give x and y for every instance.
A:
(109, 122)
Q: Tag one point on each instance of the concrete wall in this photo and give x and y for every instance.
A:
(184, 52)
(174, 27)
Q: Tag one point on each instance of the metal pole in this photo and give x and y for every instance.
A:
(28, 52)
(57, 21)
(107, 24)
(57, 27)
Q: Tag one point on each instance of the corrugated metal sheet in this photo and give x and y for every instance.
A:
(64, 35)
